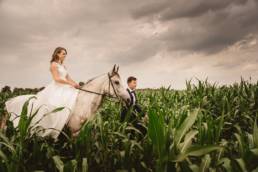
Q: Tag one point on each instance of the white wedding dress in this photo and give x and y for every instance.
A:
(54, 95)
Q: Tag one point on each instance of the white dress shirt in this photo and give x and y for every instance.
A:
(134, 98)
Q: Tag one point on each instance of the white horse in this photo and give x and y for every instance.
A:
(91, 95)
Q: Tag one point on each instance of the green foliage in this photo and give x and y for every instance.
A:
(202, 128)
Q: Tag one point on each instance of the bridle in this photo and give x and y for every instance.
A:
(110, 83)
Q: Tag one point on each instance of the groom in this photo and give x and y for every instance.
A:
(133, 109)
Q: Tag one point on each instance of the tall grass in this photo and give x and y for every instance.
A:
(205, 127)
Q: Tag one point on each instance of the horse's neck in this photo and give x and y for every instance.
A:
(93, 101)
(96, 85)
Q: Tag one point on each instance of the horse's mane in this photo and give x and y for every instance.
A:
(87, 82)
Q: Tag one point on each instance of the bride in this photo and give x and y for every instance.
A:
(60, 92)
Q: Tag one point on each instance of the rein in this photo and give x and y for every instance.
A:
(91, 92)
(104, 94)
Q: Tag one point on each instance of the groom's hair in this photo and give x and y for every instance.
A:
(130, 79)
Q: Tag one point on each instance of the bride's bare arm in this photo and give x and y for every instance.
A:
(71, 80)
(55, 74)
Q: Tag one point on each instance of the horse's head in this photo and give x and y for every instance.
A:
(114, 86)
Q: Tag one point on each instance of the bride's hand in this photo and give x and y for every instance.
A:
(75, 85)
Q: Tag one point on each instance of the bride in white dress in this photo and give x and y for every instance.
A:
(60, 92)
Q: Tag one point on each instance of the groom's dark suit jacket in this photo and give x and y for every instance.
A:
(135, 108)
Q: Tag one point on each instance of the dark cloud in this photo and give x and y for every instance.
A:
(140, 51)
(168, 10)
(165, 40)
(202, 26)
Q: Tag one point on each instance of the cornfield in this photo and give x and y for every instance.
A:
(205, 127)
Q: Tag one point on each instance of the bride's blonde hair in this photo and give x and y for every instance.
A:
(55, 57)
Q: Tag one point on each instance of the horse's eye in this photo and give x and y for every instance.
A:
(117, 82)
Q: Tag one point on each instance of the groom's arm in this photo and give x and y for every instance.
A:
(139, 110)
(142, 113)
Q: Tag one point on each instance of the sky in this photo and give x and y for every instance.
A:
(161, 43)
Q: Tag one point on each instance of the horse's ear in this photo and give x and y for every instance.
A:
(113, 70)
(117, 69)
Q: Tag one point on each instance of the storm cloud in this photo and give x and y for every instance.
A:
(161, 42)
(200, 25)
